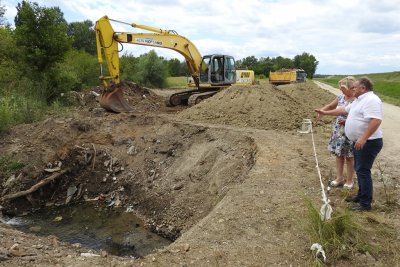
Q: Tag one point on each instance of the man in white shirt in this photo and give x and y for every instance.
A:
(363, 127)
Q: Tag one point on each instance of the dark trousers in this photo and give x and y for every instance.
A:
(363, 161)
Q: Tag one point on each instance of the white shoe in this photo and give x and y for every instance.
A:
(336, 184)
(348, 186)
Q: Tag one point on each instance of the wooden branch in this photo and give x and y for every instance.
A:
(34, 187)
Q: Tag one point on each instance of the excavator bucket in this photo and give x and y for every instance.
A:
(113, 99)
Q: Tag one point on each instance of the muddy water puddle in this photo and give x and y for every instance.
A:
(114, 230)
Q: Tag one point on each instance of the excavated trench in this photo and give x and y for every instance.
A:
(142, 175)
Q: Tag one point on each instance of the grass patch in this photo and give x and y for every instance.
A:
(340, 236)
(350, 237)
(9, 165)
(177, 82)
(19, 109)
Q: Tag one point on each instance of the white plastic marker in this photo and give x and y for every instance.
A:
(319, 249)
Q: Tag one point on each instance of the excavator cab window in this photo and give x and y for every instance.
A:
(205, 69)
(230, 72)
(217, 70)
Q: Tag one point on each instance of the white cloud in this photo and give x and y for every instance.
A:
(349, 37)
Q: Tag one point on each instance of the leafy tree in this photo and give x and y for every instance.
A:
(184, 69)
(77, 71)
(282, 63)
(128, 65)
(9, 65)
(248, 62)
(83, 36)
(307, 62)
(177, 68)
(263, 66)
(174, 67)
(3, 21)
(42, 34)
(151, 70)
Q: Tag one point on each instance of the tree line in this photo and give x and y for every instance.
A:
(43, 58)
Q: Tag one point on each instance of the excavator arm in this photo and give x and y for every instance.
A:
(107, 44)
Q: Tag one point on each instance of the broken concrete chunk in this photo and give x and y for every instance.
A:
(88, 254)
(131, 150)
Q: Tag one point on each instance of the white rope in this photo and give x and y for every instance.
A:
(326, 209)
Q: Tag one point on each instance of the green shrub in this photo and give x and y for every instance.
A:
(151, 71)
(78, 71)
(18, 109)
(5, 114)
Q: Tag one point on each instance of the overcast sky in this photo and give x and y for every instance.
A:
(345, 36)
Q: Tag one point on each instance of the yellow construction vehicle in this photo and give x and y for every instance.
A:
(209, 73)
(287, 76)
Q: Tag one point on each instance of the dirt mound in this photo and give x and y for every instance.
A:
(140, 98)
(261, 106)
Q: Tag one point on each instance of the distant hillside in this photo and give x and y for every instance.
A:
(386, 85)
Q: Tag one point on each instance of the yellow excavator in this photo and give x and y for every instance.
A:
(209, 73)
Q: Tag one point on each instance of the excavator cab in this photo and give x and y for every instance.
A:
(217, 70)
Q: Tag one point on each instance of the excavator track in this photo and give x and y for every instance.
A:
(190, 97)
(197, 98)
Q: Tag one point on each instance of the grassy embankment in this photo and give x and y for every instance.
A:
(177, 82)
(386, 85)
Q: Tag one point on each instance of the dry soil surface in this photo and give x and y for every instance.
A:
(225, 179)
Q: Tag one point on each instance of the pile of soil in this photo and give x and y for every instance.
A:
(142, 99)
(261, 106)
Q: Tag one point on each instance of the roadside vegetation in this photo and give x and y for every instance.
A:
(386, 85)
(347, 235)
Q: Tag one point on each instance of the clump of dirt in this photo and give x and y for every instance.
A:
(262, 106)
(140, 98)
